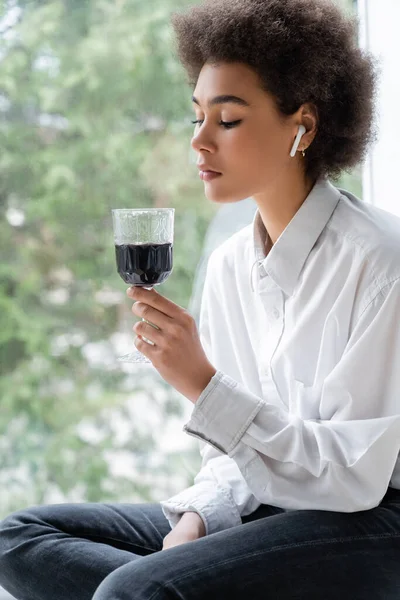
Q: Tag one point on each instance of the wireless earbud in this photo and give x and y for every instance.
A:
(300, 134)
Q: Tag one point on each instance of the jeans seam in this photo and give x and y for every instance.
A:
(284, 547)
(102, 537)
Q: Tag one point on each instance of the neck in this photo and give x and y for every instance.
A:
(280, 202)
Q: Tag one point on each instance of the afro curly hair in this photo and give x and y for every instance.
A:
(304, 51)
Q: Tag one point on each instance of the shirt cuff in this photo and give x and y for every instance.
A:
(211, 501)
(223, 413)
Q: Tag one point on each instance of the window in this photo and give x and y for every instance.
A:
(379, 35)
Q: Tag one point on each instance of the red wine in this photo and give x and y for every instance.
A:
(144, 265)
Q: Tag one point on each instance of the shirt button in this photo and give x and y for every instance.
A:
(276, 313)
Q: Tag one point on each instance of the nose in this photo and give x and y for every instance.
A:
(201, 141)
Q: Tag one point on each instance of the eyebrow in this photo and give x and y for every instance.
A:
(224, 99)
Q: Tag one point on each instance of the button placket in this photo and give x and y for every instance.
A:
(274, 309)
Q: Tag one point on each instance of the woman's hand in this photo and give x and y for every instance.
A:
(177, 354)
(189, 528)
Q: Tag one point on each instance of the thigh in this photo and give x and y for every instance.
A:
(291, 556)
(137, 528)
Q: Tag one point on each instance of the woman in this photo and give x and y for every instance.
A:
(294, 378)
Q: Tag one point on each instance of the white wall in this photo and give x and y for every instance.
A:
(381, 35)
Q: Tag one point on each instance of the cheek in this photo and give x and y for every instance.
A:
(258, 157)
(266, 152)
(240, 153)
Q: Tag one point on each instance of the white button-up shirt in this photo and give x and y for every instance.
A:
(304, 410)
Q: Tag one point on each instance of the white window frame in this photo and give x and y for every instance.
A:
(379, 34)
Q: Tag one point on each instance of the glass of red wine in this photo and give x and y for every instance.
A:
(143, 240)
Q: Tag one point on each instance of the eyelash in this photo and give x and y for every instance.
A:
(225, 124)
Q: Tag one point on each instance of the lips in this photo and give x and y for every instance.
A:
(209, 175)
(206, 169)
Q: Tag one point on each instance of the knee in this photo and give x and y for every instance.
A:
(12, 532)
(7, 531)
(7, 541)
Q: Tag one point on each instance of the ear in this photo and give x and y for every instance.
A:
(308, 116)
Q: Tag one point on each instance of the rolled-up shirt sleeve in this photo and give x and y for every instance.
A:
(209, 500)
(220, 495)
(341, 462)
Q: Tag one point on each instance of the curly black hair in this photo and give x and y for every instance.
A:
(303, 51)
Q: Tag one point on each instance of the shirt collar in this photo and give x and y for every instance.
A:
(287, 256)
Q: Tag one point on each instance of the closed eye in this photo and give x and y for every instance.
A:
(225, 124)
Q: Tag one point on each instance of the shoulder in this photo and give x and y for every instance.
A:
(371, 234)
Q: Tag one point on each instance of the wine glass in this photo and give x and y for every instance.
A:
(143, 240)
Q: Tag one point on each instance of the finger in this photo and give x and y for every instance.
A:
(145, 330)
(143, 347)
(140, 309)
(155, 300)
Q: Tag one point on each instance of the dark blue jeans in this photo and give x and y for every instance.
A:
(113, 552)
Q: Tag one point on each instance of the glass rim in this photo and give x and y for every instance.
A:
(147, 210)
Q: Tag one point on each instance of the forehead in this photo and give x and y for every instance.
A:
(227, 78)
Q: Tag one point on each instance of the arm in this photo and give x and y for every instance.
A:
(341, 462)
